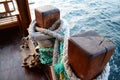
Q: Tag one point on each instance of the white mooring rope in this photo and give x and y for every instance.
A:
(42, 35)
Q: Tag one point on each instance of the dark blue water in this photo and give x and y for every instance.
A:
(103, 16)
(106, 21)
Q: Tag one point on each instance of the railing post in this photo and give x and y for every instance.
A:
(25, 17)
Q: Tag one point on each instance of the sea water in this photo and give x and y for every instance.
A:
(103, 16)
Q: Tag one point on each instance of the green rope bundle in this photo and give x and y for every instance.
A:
(45, 57)
(59, 66)
(46, 49)
(59, 69)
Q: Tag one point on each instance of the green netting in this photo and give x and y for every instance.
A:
(46, 50)
(59, 69)
(45, 57)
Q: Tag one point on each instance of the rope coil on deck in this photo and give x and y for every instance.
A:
(56, 31)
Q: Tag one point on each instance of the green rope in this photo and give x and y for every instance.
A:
(59, 66)
(46, 49)
(45, 57)
(59, 69)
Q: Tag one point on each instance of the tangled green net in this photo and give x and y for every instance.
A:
(46, 58)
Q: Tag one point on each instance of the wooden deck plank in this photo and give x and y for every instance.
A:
(10, 61)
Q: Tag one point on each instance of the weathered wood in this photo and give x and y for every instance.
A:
(5, 4)
(32, 46)
(89, 55)
(46, 16)
(86, 34)
(9, 18)
(10, 60)
(25, 16)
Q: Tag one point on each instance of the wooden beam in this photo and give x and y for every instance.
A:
(25, 16)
